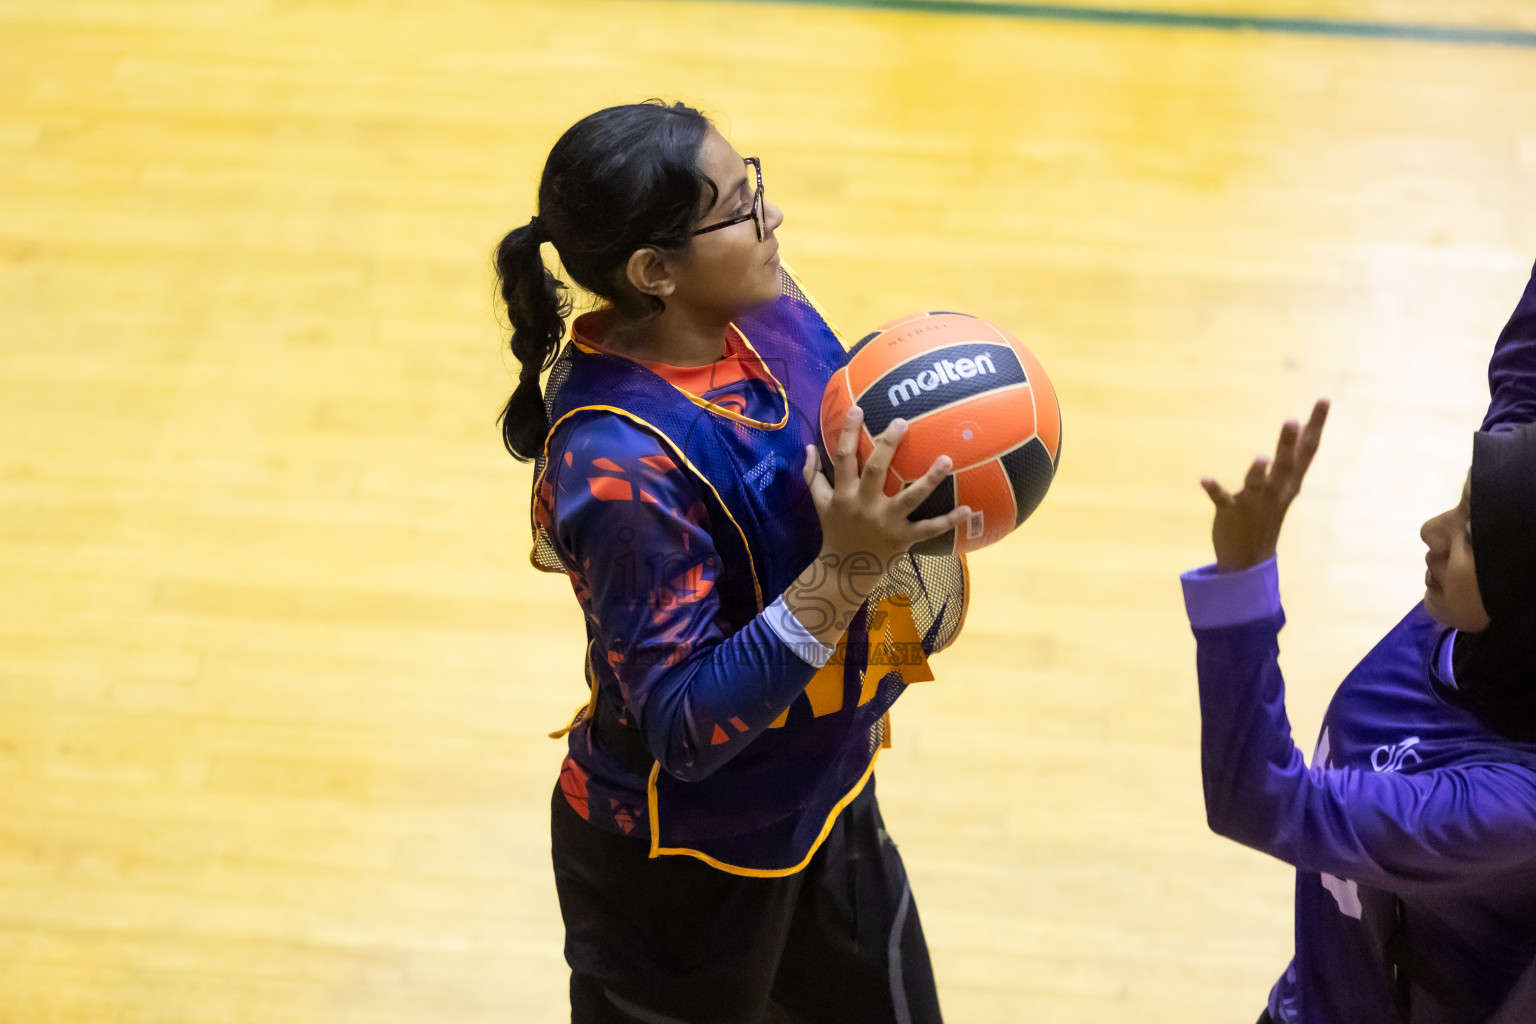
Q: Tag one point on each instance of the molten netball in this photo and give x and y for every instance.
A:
(969, 390)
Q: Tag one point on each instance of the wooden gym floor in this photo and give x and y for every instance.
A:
(274, 672)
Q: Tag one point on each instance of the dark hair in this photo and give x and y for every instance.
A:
(618, 180)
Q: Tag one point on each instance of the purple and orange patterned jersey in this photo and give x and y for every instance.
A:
(636, 534)
(673, 498)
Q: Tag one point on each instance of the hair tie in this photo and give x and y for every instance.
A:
(536, 227)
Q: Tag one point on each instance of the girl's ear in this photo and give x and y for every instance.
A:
(649, 273)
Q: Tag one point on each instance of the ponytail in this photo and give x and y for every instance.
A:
(618, 180)
(537, 307)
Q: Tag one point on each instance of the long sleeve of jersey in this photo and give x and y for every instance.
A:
(632, 527)
(1388, 829)
(1512, 370)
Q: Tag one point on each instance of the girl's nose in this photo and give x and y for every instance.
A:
(773, 215)
(1430, 531)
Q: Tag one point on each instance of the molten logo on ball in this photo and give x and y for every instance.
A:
(945, 371)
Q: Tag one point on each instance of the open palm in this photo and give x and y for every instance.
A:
(1247, 525)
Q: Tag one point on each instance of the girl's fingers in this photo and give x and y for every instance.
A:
(1312, 435)
(845, 460)
(927, 529)
(1319, 417)
(1293, 455)
(915, 493)
(848, 437)
(1219, 496)
(1285, 449)
(821, 490)
(873, 480)
(1254, 479)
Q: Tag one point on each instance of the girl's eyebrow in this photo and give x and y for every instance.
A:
(728, 196)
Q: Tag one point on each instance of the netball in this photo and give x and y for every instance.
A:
(968, 389)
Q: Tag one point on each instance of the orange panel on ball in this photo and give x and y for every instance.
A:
(866, 445)
(985, 488)
(874, 360)
(834, 407)
(908, 338)
(1047, 412)
(969, 432)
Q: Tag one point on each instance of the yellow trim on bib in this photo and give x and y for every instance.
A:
(965, 598)
(757, 588)
(706, 404)
(657, 850)
(814, 304)
(590, 707)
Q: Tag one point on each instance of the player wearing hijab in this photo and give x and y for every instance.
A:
(718, 850)
(1414, 831)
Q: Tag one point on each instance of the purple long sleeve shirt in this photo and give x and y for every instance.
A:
(645, 570)
(1413, 833)
(1414, 830)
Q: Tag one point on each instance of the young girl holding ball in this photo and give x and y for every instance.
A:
(719, 853)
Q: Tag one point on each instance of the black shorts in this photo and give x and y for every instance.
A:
(670, 940)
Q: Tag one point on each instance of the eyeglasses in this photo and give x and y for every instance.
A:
(756, 213)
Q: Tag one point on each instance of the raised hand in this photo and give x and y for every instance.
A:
(1247, 525)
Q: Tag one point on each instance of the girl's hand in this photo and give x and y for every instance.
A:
(1247, 525)
(857, 518)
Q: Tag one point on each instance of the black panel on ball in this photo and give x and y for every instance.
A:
(1029, 470)
(939, 502)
